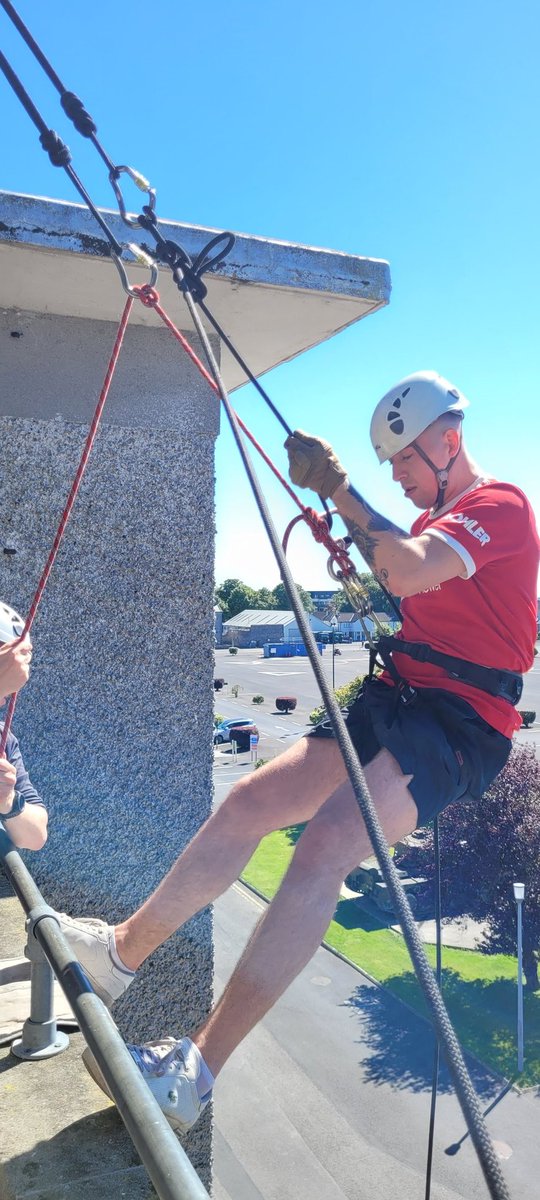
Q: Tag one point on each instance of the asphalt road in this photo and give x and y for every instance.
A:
(270, 678)
(328, 1099)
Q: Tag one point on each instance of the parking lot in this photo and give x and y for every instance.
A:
(255, 675)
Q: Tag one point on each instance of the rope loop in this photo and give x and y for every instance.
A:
(206, 260)
(57, 150)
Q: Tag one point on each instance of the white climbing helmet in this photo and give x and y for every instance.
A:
(11, 624)
(408, 408)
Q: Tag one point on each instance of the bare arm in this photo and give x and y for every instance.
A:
(28, 828)
(403, 564)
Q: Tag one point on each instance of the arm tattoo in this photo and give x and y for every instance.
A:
(363, 535)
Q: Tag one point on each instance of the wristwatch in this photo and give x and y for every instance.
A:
(16, 808)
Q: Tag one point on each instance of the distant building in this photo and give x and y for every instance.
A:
(254, 627)
(321, 600)
(349, 624)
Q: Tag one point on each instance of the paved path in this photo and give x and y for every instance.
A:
(329, 1098)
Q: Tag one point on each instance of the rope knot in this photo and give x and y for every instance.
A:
(147, 295)
(57, 150)
(75, 110)
(318, 525)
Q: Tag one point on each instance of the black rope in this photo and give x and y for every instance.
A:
(57, 150)
(73, 107)
(247, 371)
(438, 976)
(456, 1064)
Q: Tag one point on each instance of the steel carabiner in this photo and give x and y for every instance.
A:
(143, 260)
(143, 186)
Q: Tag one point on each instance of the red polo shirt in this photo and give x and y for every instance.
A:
(490, 617)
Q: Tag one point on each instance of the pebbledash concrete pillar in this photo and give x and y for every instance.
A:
(116, 723)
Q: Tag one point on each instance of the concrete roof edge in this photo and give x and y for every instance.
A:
(64, 226)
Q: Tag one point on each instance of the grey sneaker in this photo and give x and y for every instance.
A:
(91, 939)
(171, 1069)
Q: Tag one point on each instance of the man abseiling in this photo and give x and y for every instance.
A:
(428, 731)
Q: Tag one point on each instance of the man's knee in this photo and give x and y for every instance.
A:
(332, 842)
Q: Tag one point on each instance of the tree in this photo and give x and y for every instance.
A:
(265, 598)
(485, 848)
(240, 598)
(223, 593)
(282, 600)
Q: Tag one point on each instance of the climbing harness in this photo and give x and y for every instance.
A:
(187, 274)
(508, 685)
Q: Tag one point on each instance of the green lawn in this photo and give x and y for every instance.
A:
(479, 989)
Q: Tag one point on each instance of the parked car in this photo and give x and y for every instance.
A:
(225, 731)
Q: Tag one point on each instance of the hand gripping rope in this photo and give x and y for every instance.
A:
(187, 275)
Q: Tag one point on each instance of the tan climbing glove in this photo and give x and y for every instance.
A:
(313, 464)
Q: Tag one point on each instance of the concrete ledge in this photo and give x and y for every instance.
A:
(274, 299)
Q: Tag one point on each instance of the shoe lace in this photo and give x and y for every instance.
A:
(156, 1057)
(87, 922)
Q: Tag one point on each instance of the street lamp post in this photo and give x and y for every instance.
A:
(519, 896)
(334, 625)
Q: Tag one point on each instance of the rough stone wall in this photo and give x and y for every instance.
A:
(116, 722)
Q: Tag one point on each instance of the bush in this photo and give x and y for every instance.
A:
(344, 696)
(286, 704)
(218, 684)
(258, 700)
(260, 763)
(233, 649)
(217, 720)
(527, 718)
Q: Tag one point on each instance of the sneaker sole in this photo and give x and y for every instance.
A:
(93, 1069)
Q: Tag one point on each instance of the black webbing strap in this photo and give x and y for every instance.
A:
(506, 684)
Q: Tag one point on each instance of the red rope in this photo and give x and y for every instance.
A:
(316, 521)
(70, 500)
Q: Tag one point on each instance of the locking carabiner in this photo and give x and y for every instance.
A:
(143, 186)
(143, 260)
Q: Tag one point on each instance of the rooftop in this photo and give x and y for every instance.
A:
(260, 616)
(274, 299)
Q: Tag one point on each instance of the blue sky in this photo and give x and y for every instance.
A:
(403, 132)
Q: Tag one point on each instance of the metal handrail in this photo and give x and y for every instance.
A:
(167, 1164)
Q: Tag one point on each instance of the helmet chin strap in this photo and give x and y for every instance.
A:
(441, 473)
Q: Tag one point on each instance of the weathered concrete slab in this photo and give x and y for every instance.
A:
(274, 299)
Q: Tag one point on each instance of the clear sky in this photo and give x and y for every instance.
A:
(399, 131)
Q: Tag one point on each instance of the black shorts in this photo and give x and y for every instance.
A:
(439, 739)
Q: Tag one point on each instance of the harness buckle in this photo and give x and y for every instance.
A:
(407, 694)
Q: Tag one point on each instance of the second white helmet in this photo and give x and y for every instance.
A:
(11, 624)
(409, 407)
